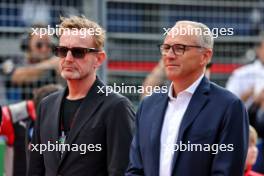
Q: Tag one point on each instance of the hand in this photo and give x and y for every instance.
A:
(51, 63)
(7, 67)
(261, 99)
(246, 95)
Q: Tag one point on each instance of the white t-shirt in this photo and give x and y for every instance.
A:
(247, 77)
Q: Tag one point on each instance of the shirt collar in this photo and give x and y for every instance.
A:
(191, 89)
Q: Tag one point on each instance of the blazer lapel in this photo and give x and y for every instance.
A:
(55, 122)
(197, 103)
(87, 108)
(158, 115)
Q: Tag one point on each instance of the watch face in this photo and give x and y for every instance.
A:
(8, 66)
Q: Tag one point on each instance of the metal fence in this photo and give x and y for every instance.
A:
(134, 28)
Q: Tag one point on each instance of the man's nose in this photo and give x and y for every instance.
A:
(69, 56)
(170, 53)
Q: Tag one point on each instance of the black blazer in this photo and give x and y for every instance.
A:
(106, 120)
(213, 116)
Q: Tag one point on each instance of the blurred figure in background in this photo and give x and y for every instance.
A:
(39, 57)
(23, 75)
(17, 128)
(38, 68)
(256, 113)
(39, 94)
(0, 117)
(256, 117)
(157, 77)
(252, 153)
(247, 82)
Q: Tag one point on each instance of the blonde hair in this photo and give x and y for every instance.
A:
(80, 23)
(253, 136)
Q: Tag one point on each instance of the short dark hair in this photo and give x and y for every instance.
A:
(44, 91)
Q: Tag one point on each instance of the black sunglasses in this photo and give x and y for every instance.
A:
(77, 52)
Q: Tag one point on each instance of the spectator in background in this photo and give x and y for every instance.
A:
(17, 126)
(38, 59)
(248, 81)
(39, 94)
(2, 88)
(157, 77)
(23, 75)
(252, 153)
(38, 68)
(256, 118)
(256, 113)
(0, 117)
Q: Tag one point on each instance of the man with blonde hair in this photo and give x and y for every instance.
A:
(81, 130)
(197, 128)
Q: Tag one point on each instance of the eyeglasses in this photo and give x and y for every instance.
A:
(178, 49)
(77, 52)
(40, 45)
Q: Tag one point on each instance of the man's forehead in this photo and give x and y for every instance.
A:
(183, 29)
(175, 36)
(42, 37)
(76, 38)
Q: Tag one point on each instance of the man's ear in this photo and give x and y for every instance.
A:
(101, 56)
(207, 56)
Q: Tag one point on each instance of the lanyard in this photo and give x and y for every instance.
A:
(64, 134)
(62, 128)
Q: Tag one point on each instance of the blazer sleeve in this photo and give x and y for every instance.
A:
(135, 167)
(235, 131)
(36, 161)
(119, 133)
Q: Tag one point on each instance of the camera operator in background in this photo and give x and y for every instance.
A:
(22, 75)
(38, 68)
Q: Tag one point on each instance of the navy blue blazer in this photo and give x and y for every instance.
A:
(213, 116)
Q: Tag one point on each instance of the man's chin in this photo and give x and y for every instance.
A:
(173, 76)
(70, 77)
